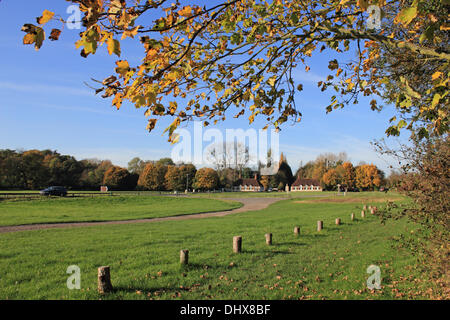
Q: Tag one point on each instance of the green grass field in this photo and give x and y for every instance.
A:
(54, 210)
(144, 258)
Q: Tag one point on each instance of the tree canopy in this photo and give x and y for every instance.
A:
(237, 57)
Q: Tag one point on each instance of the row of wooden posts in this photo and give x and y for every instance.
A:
(104, 275)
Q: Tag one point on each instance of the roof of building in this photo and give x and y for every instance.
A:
(249, 182)
(306, 182)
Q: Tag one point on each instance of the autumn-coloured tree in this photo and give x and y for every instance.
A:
(425, 177)
(368, 177)
(331, 179)
(239, 56)
(206, 179)
(174, 180)
(318, 172)
(117, 178)
(346, 172)
(152, 177)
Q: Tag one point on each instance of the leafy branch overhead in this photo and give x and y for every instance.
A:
(239, 57)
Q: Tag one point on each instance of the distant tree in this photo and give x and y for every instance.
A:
(63, 170)
(228, 177)
(187, 172)
(174, 180)
(233, 155)
(368, 177)
(117, 178)
(318, 172)
(284, 174)
(206, 179)
(152, 177)
(32, 168)
(331, 179)
(11, 176)
(165, 162)
(331, 160)
(395, 179)
(306, 171)
(136, 165)
(346, 172)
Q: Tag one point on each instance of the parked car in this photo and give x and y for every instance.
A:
(54, 191)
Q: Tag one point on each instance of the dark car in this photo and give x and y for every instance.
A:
(54, 191)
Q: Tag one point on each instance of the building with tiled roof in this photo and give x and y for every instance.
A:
(306, 185)
(249, 185)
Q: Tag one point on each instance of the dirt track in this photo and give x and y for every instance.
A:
(249, 204)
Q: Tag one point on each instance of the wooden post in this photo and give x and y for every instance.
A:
(319, 225)
(269, 239)
(363, 214)
(352, 216)
(338, 221)
(237, 244)
(104, 280)
(297, 231)
(184, 256)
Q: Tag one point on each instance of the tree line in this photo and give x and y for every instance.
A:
(37, 169)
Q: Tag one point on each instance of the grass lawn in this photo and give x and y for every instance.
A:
(144, 258)
(55, 210)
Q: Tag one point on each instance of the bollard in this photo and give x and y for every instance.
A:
(237, 244)
(363, 214)
(352, 216)
(104, 280)
(338, 221)
(184, 256)
(269, 239)
(319, 225)
(365, 207)
(297, 231)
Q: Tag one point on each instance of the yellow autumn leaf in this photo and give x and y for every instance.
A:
(130, 33)
(436, 75)
(46, 17)
(118, 100)
(113, 46)
(29, 38)
(186, 12)
(122, 67)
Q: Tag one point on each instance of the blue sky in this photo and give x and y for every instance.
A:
(44, 104)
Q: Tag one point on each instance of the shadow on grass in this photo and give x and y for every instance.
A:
(199, 266)
(298, 244)
(146, 290)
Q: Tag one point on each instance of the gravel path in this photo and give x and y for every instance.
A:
(249, 204)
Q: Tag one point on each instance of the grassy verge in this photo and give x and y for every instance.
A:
(144, 258)
(56, 210)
